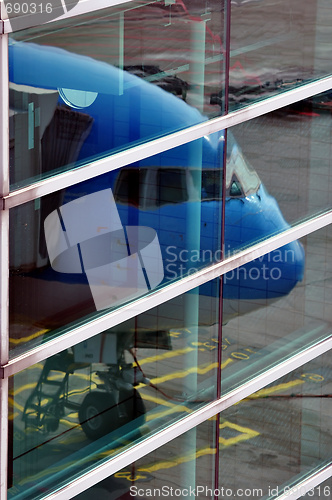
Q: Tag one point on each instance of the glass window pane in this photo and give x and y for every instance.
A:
(180, 469)
(162, 363)
(73, 254)
(279, 435)
(99, 244)
(176, 346)
(88, 403)
(265, 322)
(277, 46)
(100, 82)
(260, 447)
(289, 178)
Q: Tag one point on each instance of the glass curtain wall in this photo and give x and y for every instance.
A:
(165, 249)
(270, 432)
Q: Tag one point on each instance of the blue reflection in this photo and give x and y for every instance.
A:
(87, 110)
(111, 109)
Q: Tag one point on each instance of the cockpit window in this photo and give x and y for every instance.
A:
(172, 186)
(235, 188)
(151, 187)
(211, 185)
(241, 178)
(129, 186)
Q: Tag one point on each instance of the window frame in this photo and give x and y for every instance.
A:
(31, 192)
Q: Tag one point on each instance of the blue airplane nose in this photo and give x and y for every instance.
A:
(274, 274)
(271, 276)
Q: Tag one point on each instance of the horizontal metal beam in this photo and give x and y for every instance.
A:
(301, 488)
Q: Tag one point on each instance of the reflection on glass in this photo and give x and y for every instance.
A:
(109, 240)
(114, 238)
(117, 77)
(276, 46)
(156, 368)
(173, 471)
(290, 152)
(88, 403)
(263, 332)
(280, 433)
(266, 445)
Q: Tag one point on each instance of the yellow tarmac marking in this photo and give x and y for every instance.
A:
(33, 385)
(245, 433)
(167, 464)
(182, 374)
(37, 365)
(174, 406)
(24, 388)
(166, 355)
(15, 404)
(30, 337)
(276, 388)
(164, 413)
(68, 423)
(175, 333)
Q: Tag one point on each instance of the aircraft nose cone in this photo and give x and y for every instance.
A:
(286, 268)
(271, 276)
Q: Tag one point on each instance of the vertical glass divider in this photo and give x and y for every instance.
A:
(4, 259)
(193, 226)
(222, 151)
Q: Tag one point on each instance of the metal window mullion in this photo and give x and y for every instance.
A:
(95, 326)
(187, 423)
(4, 260)
(3, 16)
(131, 155)
(4, 117)
(4, 190)
(225, 71)
(223, 165)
